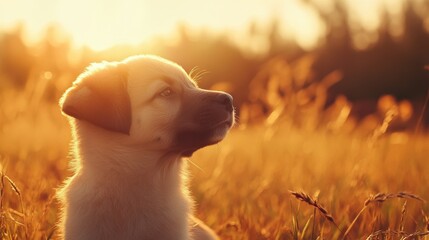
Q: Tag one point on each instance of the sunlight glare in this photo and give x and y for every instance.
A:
(367, 13)
(101, 24)
(303, 22)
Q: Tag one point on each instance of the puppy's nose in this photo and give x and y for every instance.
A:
(226, 100)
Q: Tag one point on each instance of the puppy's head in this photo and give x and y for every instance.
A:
(151, 101)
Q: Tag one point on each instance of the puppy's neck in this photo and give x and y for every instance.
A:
(110, 154)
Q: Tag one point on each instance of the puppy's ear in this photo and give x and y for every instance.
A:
(100, 96)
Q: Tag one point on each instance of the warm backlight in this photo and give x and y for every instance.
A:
(104, 23)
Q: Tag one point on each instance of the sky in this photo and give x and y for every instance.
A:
(100, 24)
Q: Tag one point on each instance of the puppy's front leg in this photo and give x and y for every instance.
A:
(200, 231)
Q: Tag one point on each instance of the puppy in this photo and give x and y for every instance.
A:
(133, 122)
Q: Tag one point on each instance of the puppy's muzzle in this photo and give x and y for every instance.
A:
(205, 118)
(214, 108)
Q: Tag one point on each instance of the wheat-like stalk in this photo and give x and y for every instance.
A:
(310, 201)
(403, 213)
(18, 192)
(13, 185)
(414, 235)
(2, 221)
(404, 235)
(380, 198)
(409, 196)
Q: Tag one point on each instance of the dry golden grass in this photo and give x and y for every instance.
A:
(247, 181)
(344, 185)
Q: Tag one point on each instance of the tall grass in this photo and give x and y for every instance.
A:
(344, 184)
(249, 178)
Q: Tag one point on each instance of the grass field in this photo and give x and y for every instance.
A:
(263, 182)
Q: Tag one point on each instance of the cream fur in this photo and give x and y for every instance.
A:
(129, 186)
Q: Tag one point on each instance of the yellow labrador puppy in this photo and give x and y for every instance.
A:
(133, 122)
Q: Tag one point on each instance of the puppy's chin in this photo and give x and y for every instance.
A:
(219, 132)
(191, 141)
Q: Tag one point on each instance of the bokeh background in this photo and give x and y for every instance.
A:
(304, 74)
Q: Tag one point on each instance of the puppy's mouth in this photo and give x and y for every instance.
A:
(192, 140)
(226, 123)
(220, 130)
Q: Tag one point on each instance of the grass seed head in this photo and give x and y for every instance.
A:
(381, 197)
(13, 185)
(310, 201)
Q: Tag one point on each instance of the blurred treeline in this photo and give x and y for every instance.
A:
(338, 72)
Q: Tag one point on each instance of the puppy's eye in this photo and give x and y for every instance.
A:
(167, 92)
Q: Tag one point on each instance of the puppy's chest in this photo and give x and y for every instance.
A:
(140, 203)
(130, 215)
